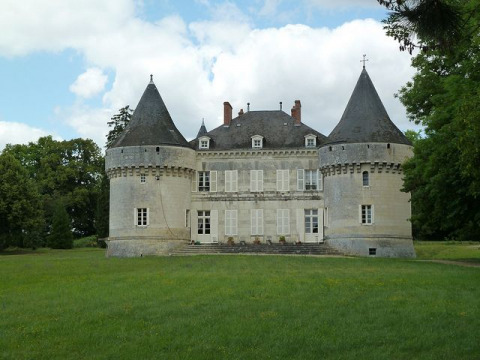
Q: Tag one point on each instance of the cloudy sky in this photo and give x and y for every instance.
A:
(67, 66)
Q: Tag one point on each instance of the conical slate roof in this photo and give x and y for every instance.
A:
(202, 131)
(151, 123)
(365, 118)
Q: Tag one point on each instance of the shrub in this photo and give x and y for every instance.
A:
(88, 241)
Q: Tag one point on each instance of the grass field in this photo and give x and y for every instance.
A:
(76, 304)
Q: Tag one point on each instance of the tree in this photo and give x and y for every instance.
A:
(61, 236)
(119, 122)
(70, 170)
(103, 206)
(444, 173)
(21, 216)
(426, 24)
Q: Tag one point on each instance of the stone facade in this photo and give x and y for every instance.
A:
(260, 177)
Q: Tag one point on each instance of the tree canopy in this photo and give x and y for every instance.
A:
(444, 96)
(118, 123)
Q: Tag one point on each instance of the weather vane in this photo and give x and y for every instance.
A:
(364, 60)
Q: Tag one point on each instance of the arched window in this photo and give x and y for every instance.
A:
(365, 178)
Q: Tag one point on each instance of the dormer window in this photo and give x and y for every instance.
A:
(204, 143)
(257, 142)
(310, 141)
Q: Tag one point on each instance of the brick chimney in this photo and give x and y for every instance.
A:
(297, 112)
(227, 113)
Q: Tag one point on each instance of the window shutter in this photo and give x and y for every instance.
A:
(213, 181)
(320, 180)
(300, 180)
(253, 180)
(194, 181)
(260, 180)
(235, 181)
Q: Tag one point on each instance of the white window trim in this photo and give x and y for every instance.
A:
(283, 180)
(372, 215)
(368, 179)
(302, 180)
(283, 221)
(231, 180)
(257, 138)
(231, 222)
(256, 180)
(203, 139)
(204, 221)
(310, 137)
(256, 221)
(135, 218)
(311, 216)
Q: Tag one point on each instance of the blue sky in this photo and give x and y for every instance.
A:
(66, 66)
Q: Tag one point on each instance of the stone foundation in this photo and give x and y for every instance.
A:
(384, 246)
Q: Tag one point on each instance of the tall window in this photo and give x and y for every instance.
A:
(311, 221)
(283, 221)
(231, 180)
(204, 181)
(256, 180)
(367, 214)
(203, 217)
(308, 180)
(365, 178)
(282, 180)
(230, 222)
(141, 216)
(257, 221)
(143, 178)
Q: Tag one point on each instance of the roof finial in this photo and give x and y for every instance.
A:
(364, 60)
(151, 79)
(280, 105)
(203, 121)
(248, 107)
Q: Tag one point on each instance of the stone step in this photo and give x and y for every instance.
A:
(294, 249)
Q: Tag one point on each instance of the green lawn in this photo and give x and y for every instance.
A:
(448, 250)
(77, 304)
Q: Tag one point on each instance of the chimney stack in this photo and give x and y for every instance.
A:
(227, 113)
(297, 112)
(240, 112)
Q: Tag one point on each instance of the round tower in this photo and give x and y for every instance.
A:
(150, 168)
(365, 211)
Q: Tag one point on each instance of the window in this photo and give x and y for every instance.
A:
(203, 222)
(141, 216)
(257, 221)
(283, 221)
(365, 178)
(308, 180)
(231, 180)
(311, 221)
(310, 141)
(256, 180)
(230, 222)
(366, 214)
(187, 218)
(204, 142)
(204, 181)
(372, 251)
(143, 178)
(257, 142)
(282, 180)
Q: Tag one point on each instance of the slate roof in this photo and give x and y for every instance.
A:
(365, 118)
(277, 127)
(151, 124)
(202, 131)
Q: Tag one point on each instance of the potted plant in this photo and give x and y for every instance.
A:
(282, 240)
(230, 241)
(256, 241)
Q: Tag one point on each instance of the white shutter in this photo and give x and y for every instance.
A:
(286, 180)
(253, 180)
(256, 221)
(230, 222)
(283, 222)
(213, 181)
(235, 181)
(279, 180)
(259, 180)
(320, 180)
(300, 180)
(194, 181)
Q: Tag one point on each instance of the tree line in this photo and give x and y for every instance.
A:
(52, 191)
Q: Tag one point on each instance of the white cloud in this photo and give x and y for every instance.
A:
(90, 83)
(18, 133)
(199, 65)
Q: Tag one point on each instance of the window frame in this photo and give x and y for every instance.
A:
(283, 180)
(204, 143)
(257, 142)
(256, 180)
(204, 223)
(366, 216)
(310, 217)
(310, 137)
(365, 179)
(141, 217)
